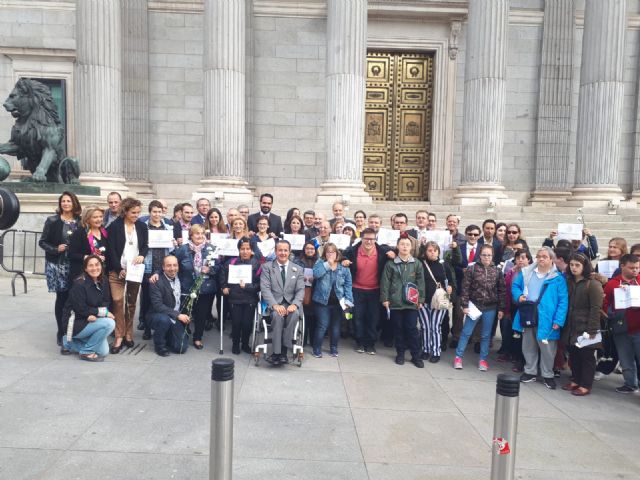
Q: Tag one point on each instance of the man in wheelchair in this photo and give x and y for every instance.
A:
(282, 287)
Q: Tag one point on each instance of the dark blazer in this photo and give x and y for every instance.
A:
(351, 254)
(117, 239)
(161, 297)
(197, 219)
(85, 298)
(275, 223)
(78, 249)
(52, 237)
(497, 249)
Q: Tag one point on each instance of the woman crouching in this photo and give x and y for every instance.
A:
(89, 299)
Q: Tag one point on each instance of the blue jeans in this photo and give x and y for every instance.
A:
(92, 338)
(628, 352)
(327, 317)
(366, 316)
(167, 334)
(485, 333)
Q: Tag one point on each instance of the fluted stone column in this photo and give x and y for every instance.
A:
(224, 99)
(98, 100)
(554, 103)
(600, 102)
(345, 90)
(636, 153)
(135, 94)
(484, 101)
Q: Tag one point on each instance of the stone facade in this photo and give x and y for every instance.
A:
(291, 69)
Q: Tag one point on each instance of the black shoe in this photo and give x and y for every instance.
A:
(163, 352)
(550, 383)
(556, 373)
(424, 356)
(65, 351)
(400, 359)
(146, 335)
(476, 347)
(443, 345)
(235, 349)
(115, 350)
(527, 378)
(129, 343)
(417, 362)
(274, 359)
(370, 350)
(453, 343)
(434, 359)
(388, 343)
(140, 325)
(246, 348)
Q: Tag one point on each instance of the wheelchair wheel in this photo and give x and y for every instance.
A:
(300, 359)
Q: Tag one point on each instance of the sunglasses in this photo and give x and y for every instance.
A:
(514, 232)
(473, 234)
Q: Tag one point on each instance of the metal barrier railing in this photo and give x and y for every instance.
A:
(21, 255)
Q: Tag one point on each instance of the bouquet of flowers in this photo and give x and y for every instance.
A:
(194, 292)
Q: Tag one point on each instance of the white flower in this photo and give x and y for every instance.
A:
(193, 295)
(545, 342)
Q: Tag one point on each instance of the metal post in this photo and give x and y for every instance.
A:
(505, 427)
(221, 442)
(221, 319)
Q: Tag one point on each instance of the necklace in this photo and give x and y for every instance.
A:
(129, 235)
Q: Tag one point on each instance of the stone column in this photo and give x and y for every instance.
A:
(224, 100)
(484, 102)
(554, 103)
(346, 63)
(636, 152)
(600, 102)
(135, 95)
(98, 99)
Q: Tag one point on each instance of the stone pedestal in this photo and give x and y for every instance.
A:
(98, 99)
(600, 103)
(346, 63)
(484, 102)
(224, 101)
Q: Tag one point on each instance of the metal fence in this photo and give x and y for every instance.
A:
(21, 255)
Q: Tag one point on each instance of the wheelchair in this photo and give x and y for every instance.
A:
(261, 337)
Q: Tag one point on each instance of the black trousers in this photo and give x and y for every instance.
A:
(583, 365)
(61, 299)
(242, 315)
(200, 313)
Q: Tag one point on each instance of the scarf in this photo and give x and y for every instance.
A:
(93, 242)
(197, 250)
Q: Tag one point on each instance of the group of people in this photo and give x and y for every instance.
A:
(410, 290)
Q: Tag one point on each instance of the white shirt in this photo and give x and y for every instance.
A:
(131, 250)
(469, 247)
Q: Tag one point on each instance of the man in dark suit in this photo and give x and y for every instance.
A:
(282, 287)
(489, 238)
(164, 316)
(275, 222)
(202, 205)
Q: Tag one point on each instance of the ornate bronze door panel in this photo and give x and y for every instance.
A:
(397, 145)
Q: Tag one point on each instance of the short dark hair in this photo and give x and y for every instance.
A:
(359, 211)
(129, 203)
(244, 240)
(563, 253)
(185, 204)
(114, 193)
(635, 246)
(177, 208)
(403, 215)
(489, 220)
(524, 251)
(472, 227)
(309, 212)
(367, 231)
(155, 204)
(266, 195)
(629, 258)
(284, 241)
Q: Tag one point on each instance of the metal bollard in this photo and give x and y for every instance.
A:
(221, 441)
(505, 427)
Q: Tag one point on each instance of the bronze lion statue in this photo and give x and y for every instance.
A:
(37, 138)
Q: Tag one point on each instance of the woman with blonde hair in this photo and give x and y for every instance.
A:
(90, 239)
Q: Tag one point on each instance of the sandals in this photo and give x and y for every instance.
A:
(570, 387)
(581, 392)
(91, 357)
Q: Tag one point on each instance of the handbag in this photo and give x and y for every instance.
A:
(440, 299)
(528, 311)
(410, 292)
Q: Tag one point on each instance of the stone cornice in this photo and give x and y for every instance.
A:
(53, 5)
(61, 54)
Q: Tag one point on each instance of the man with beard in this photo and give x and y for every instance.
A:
(275, 222)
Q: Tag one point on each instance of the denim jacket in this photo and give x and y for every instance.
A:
(187, 273)
(148, 260)
(325, 278)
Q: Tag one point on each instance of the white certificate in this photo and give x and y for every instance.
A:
(135, 273)
(296, 241)
(607, 267)
(216, 238)
(308, 277)
(185, 236)
(239, 273)
(386, 236)
(626, 297)
(161, 239)
(340, 240)
(228, 247)
(474, 312)
(267, 247)
(570, 231)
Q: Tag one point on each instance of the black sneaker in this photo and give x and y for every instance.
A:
(235, 349)
(556, 373)
(550, 383)
(527, 378)
(360, 349)
(417, 362)
(625, 389)
(400, 359)
(424, 356)
(371, 350)
(434, 359)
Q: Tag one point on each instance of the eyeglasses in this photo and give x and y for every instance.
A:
(473, 234)
(368, 239)
(514, 232)
(486, 255)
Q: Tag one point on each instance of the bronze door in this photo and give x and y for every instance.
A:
(397, 145)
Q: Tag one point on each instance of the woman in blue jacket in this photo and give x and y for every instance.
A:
(332, 286)
(541, 283)
(197, 257)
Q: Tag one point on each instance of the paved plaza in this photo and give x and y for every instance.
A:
(355, 417)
